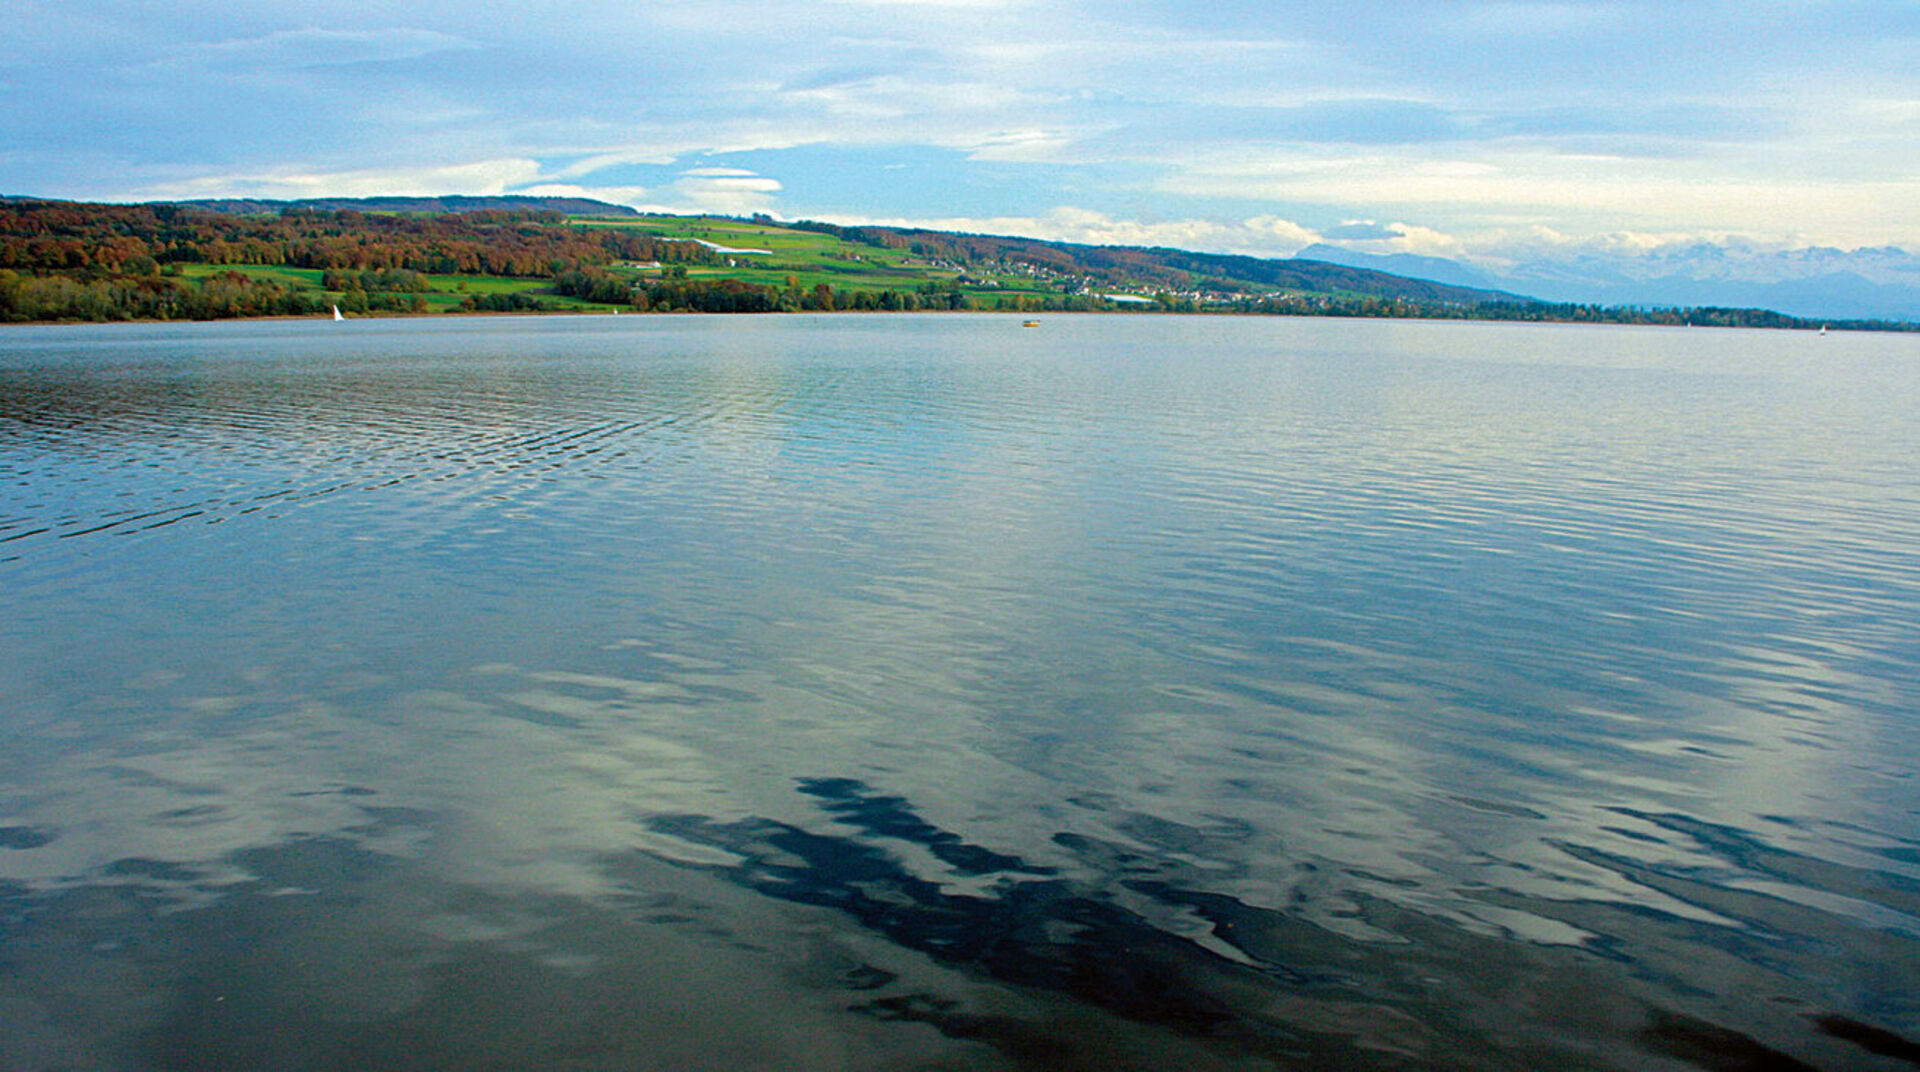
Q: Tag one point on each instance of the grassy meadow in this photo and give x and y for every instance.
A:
(795, 259)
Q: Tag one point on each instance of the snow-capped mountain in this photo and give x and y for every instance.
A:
(1813, 281)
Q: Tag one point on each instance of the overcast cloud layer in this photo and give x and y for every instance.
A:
(1483, 130)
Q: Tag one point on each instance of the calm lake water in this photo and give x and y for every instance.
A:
(923, 692)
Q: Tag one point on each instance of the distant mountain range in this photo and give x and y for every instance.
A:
(1872, 283)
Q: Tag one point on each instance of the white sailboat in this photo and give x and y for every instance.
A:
(336, 313)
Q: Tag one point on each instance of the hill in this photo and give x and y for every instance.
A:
(63, 260)
(1150, 270)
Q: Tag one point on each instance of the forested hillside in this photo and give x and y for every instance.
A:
(69, 261)
(1172, 270)
(54, 236)
(91, 262)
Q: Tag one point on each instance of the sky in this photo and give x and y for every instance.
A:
(1484, 130)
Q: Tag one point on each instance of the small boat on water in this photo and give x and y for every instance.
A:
(336, 313)
(1031, 324)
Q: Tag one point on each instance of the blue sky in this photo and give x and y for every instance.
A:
(1477, 129)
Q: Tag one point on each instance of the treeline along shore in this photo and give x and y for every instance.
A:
(63, 261)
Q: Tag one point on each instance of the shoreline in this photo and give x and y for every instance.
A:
(1813, 328)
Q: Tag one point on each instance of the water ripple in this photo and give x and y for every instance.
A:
(1375, 695)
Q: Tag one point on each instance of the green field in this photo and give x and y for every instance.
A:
(784, 259)
(807, 258)
(447, 293)
(795, 259)
(298, 278)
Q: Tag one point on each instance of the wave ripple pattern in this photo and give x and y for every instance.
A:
(906, 692)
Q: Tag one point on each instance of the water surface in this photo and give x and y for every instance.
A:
(926, 692)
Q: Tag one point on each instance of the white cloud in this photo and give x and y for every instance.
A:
(1426, 242)
(1362, 231)
(1018, 145)
(1264, 236)
(1586, 195)
(1476, 116)
(731, 191)
(664, 152)
(486, 177)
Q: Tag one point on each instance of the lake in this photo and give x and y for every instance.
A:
(926, 692)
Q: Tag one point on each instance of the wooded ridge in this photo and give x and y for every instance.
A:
(77, 261)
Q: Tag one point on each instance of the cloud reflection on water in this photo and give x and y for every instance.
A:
(1364, 685)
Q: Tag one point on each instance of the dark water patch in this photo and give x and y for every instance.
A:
(1870, 1038)
(1804, 908)
(159, 870)
(24, 837)
(866, 977)
(889, 816)
(1261, 981)
(1714, 1048)
(1063, 1044)
(1031, 933)
(1898, 893)
(1497, 807)
(189, 816)
(1029, 1044)
(324, 867)
(343, 791)
(1052, 935)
